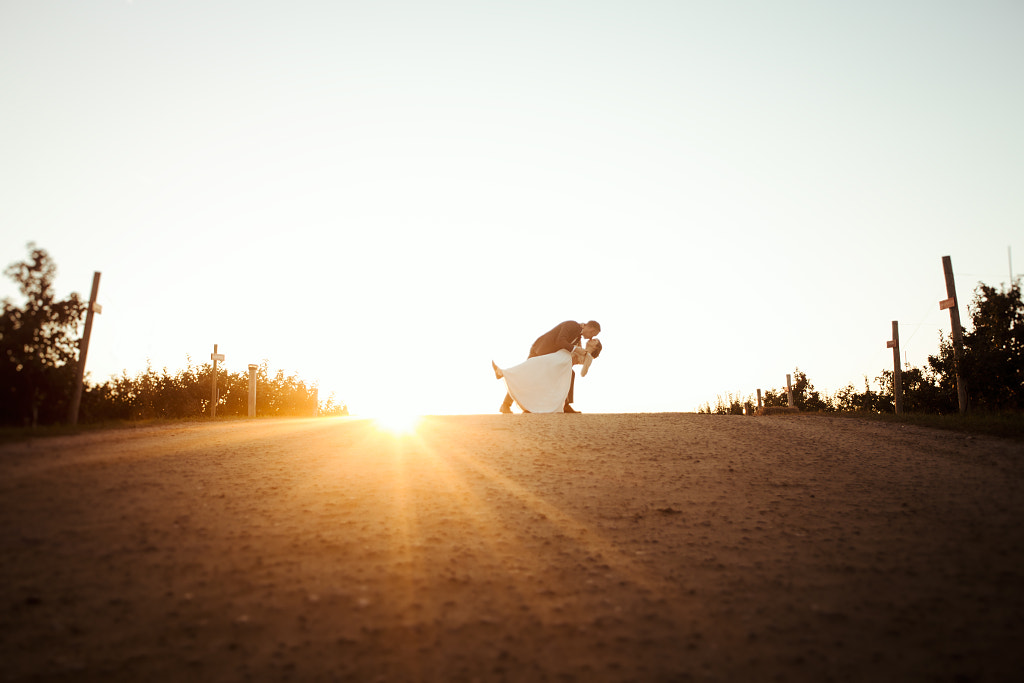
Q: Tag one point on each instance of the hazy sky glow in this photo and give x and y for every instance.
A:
(384, 196)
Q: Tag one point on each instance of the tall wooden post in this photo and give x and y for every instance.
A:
(789, 391)
(83, 350)
(213, 385)
(252, 390)
(897, 371)
(950, 302)
(759, 405)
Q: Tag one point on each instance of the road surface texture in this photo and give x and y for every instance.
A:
(633, 547)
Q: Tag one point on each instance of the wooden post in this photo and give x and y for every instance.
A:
(897, 371)
(759, 406)
(316, 402)
(252, 390)
(214, 397)
(958, 336)
(83, 350)
(789, 391)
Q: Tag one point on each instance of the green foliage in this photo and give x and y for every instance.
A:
(992, 369)
(331, 408)
(924, 390)
(805, 396)
(729, 405)
(282, 395)
(187, 394)
(38, 345)
(849, 400)
(148, 395)
(993, 352)
(38, 368)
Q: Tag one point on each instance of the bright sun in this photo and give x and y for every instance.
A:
(398, 422)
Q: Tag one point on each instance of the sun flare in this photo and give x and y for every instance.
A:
(398, 422)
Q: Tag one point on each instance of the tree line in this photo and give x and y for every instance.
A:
(39, 363)
(187, 393)
(39, 344)
(991, 367)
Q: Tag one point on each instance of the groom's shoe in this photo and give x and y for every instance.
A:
(507, 410)
(569, 409)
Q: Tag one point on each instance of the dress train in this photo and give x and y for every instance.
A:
(539, 384)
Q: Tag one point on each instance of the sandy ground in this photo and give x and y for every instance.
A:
(649, 547)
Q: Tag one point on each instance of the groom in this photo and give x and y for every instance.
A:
(563, 336)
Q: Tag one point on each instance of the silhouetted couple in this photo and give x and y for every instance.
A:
(544, 383)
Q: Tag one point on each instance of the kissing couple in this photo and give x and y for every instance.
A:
(544, 382)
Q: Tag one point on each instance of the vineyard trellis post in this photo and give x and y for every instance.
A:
(897, 371)
(215, 357)
(83, 349)
(252, 390)
(950, 302)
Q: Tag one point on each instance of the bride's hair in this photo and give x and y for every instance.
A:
(594, 347)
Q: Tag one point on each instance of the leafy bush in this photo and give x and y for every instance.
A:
(38, 345)
(186, 394)
(39, 364)
(992, 370)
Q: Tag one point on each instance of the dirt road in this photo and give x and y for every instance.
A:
(647, 547)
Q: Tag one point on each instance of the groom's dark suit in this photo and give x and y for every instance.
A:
(562, 336)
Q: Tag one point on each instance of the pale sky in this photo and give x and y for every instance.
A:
(385, 196)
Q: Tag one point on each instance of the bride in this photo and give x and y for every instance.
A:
(541, 383)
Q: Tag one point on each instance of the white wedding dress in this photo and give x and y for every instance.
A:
(540, 384)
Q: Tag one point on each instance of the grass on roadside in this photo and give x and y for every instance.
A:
(1006, 425)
